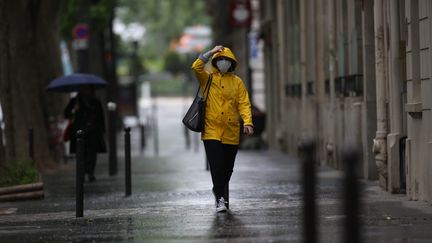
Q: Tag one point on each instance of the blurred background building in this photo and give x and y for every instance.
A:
(353, 72)
(350, 72)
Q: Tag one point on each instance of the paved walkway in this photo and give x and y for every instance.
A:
(172, 201)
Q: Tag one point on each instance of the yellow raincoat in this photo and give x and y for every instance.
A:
(228, 100)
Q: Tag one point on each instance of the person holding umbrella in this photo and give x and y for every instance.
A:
(85, 113)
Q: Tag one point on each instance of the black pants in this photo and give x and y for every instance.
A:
(90, 155)
(221, 158)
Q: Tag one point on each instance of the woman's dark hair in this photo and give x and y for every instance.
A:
(88, 88)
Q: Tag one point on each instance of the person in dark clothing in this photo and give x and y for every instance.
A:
(86, 113)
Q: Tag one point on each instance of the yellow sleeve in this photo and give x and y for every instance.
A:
(244, 105)
(200, 73)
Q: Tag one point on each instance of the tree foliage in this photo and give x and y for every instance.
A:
(99, 15)
(164, 20)
(175, 63)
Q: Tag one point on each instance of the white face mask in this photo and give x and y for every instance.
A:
(223, 65)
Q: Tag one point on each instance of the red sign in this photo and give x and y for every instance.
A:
(240, 13)
(81, 31)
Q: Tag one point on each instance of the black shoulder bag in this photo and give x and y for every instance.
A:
(194, 118)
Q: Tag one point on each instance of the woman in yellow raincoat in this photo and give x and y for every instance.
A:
(227, 102)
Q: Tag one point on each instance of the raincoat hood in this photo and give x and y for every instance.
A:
(225, 53)
(227, 100)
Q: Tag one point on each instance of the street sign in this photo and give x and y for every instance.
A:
(240, 13)
(81, 35)
(79, 44)
(81, 31)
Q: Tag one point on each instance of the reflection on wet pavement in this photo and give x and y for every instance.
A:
(172, 201)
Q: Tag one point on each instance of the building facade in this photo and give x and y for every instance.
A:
(353, 72)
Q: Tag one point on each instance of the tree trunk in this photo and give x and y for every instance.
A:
(2, 148)
(29, 60)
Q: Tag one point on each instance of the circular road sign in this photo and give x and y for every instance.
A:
(81, 31)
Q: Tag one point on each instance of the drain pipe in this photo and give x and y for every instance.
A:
(332, 75)
(304, 22)
(395, 100)
(380, 142)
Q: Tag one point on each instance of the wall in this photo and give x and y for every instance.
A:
(419, 102)
(307, 98)
(323, 80)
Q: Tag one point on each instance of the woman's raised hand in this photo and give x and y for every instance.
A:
(217, 49)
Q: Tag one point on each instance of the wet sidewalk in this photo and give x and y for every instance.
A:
(172, 201)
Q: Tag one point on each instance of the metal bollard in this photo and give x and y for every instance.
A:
(31, 144)
(307, 152)
(351, 196)
(226, 195)
(143, 137)
(128, 182)
(112, 138)
(156, 137)
(196, 142)
(187, 137)
(155, 130)
(80, 146)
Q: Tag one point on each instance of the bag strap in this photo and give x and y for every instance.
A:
(207, 87)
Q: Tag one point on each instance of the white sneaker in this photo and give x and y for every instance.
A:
(220, 207)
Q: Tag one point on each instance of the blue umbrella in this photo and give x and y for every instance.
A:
(71, 83)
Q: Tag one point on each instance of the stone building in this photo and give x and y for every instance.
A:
(353, 72)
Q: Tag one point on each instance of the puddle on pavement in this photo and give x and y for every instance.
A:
(6, 211)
